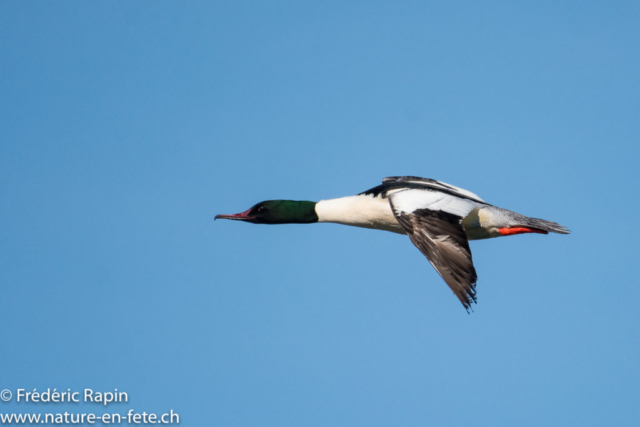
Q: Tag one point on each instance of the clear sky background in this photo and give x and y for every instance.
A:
(125, 127)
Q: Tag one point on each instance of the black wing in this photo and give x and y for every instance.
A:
(440, 236)
(414, 182)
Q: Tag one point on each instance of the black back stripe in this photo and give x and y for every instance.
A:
(408, 182)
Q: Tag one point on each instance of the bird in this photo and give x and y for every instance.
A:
(440, 219)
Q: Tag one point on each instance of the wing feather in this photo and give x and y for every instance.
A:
(428, 183)
(440, 236)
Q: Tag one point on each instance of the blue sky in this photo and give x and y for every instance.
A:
(127, 126)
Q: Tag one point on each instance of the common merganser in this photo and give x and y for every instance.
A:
(439, 219)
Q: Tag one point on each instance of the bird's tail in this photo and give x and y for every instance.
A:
(543, 224)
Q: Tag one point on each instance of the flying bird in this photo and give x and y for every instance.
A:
(439, 218)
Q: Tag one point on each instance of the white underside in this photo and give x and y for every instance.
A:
(367, 211)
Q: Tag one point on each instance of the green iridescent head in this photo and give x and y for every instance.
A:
(277, 212)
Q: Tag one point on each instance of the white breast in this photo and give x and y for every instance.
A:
(364, 211)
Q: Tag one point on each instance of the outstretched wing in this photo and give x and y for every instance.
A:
(406, 182)
(433, 221)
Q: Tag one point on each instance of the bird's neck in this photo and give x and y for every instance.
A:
(296, 212)
(364, 211)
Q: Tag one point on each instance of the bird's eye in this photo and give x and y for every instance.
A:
(260, 208)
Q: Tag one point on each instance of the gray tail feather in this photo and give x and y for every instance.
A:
(551, 226)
